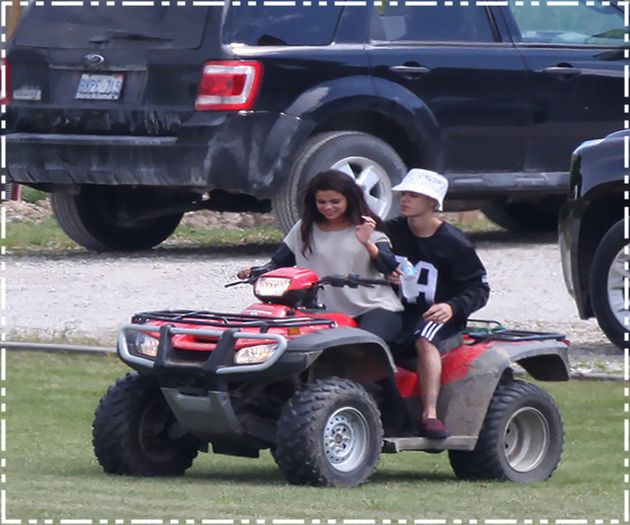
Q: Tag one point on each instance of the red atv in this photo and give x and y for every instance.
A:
(290, 376)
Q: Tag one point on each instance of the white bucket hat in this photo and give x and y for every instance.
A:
(425, 182)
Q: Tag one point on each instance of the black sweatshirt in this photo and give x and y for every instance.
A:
(449, 270)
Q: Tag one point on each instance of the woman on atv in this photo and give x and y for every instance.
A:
(339, 234)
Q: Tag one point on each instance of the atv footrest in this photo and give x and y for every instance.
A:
(391, 445)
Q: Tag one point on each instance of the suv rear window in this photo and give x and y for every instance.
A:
(276, 25)
(158, 27)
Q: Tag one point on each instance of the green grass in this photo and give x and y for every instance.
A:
(29, 236)
(26, 236)
(187, 236)
(52, 474)
(33, 195)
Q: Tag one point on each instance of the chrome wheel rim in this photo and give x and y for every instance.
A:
(372, 178)
(526, 439)
(345, 439)
(618, 278)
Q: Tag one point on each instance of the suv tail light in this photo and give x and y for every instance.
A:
(5, 84)
(228, 85)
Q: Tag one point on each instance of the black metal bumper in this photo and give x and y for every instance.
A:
(239, 153)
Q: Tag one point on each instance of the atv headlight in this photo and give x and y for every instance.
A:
(146, 345)
(254, 354)
(271, 286)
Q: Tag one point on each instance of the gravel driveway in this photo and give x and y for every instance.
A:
(80, 294)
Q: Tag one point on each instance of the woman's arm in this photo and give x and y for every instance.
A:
(281, 258)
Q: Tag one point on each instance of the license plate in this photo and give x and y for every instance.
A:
(99, 87)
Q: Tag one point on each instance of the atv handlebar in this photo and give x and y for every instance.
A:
(351, 280)
(254, 273)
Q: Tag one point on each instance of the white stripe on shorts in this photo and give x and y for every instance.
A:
(429, 331)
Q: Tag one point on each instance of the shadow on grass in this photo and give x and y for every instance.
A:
(250, 475)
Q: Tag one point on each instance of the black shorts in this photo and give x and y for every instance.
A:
(445, 336)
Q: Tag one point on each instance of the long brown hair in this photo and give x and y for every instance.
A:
(336, 181)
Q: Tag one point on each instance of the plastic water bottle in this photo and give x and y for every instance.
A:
(408, 280)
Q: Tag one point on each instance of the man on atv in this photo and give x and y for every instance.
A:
(442, 281)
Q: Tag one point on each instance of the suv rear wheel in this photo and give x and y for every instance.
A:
(374, 165)
(104, 218)
(608, 274)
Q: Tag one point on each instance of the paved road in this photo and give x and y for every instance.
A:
(79, 293)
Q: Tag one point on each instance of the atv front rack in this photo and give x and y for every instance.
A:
(216, 360)
(222, 320)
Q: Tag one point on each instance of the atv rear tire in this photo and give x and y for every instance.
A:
(521, 439)
(104, 218)
(329, 434)
(134, 431)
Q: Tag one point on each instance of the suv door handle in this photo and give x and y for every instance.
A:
(410, 71)
(567, 71)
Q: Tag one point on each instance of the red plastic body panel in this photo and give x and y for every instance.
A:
(455, 366)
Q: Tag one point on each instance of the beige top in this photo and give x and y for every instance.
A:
(340, 252)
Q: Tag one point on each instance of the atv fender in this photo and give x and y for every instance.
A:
(350, 353)
(471, 375)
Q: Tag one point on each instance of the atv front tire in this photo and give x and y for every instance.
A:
(329, 434)
(135, 433)
(521, 439)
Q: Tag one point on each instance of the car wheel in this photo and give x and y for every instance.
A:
(608, 275)
(374, 164)
(524, 217)
(521, 439)
(135, 433)
(109, 218)
(329, 434)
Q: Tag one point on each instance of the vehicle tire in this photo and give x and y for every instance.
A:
(329, 434)
(134, 431)
(524, 217)
(374, 164)
(606, 280)
(521, 439)
(102, 218)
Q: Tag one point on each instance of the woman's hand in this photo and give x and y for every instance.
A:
(244, 273)
(365, 229)
(439, 313)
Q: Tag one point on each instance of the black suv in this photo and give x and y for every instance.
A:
(132, 115)
(593, 245)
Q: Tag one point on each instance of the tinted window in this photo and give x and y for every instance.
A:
(576, 24)
(82, 27)
(274, 25)
(431, 23)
